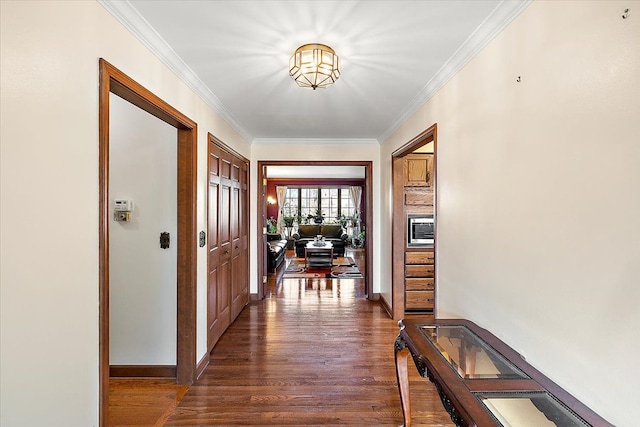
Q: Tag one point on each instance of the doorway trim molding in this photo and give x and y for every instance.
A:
(262, 213)
(115, 81)
(398, 224)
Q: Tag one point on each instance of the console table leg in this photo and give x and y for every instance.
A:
(402, 357)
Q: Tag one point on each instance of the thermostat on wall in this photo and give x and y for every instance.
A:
(123, 205)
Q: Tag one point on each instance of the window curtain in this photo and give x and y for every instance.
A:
(281, 194)
(356, 196)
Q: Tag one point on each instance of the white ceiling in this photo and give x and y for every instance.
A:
(394, 55)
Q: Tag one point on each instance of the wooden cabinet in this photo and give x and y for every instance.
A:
(228, 258)
(419, 281)
(418, 170)
(419, 266)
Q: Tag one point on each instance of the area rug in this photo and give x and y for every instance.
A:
(341, 268)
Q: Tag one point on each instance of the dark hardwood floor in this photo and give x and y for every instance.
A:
(313, 352)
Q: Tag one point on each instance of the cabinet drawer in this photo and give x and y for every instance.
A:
(417, 197)
(419, 257)
(419, 271)
(419, 284)
(419, 300)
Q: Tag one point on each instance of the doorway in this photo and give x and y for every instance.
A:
(114, 81)
(262, 217)
(398, 217)
(142, 272)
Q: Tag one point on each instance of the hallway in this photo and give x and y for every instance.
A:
(314, 352)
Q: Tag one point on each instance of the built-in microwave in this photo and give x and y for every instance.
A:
(420, 229)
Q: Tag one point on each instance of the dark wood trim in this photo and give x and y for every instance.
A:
(202, 365)
(386, 306)
(115, 81)
(397, 239)
(148, 371)
(397, 226)
(103, 251)
(368, 203)
(187, 257)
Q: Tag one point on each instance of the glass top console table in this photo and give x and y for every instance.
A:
(481, 380)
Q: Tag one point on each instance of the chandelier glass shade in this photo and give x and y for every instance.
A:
(314, 65)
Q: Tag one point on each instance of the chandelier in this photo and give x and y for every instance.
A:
(314, 65)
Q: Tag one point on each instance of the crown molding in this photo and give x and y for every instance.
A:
(131, 19)
(313, 141)
(500, 17)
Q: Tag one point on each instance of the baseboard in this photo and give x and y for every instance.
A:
(374, 297)
(202, 365)
(254, 297)
(149, 371)
(385, 305)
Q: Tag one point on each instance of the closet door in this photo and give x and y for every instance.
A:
(228, 263)
(214, 330)
(239, 264)
(224, 228)
(219, 257)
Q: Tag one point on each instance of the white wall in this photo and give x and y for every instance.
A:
(539, 214)
(309, 152)
(49, 200)
(142, 276)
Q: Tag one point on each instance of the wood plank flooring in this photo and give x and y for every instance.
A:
(314, 352)
(143, 401)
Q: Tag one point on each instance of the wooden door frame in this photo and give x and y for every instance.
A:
(397, 217)
(115, 81)
(262, 212)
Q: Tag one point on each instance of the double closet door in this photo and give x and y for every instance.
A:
(228, 256)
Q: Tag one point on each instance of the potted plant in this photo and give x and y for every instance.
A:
(318, 218)
(288, 224)
(272, 225)
(358, 240)
(288, 221)
(343, 220)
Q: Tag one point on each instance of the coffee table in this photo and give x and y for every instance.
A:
(317, 256)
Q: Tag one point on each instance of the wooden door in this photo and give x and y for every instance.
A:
(213, 262)
(219, 275)
(239, 262)
(228, 280)
(224, 228)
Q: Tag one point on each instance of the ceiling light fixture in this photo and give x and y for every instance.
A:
(314, 65)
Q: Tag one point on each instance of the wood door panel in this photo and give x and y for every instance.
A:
(213, 330)
(234, 215)
(224, 294)
(223, 218)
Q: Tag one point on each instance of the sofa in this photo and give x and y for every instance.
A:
(333, 233)
(276, 250)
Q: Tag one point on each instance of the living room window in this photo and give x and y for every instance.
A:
(332, 201)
